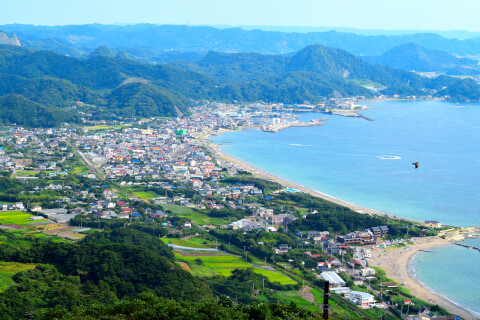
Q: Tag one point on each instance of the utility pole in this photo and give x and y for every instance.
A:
(265, 261)
(263, 283)
(229, 246)
(325, 300)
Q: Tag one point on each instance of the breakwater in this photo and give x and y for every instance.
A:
(298, 123)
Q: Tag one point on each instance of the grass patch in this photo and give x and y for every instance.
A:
(180, 242)
(224, 265)
(15, 217)
(24, 173)
(147, 195)
(287, 297)
(106, 127)
(23, 239)
(9, 269)
(196, 217)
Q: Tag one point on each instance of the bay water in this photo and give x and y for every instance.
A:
(369, 163)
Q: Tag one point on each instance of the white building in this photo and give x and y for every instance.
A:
(362, 299)
(333, 278)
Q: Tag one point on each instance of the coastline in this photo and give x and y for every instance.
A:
(397, 263)
(245, 166)
(400, 262)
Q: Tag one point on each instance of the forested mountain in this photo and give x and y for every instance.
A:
(101, 269)
(412, 56)
(148, 41)
(116, 86)
(16, 109)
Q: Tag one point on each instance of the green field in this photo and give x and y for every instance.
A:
(146, 195)
(224, 264)
(196, 217)
(15, 217)
(24, 173)
(8, 270)
(287, 297)
(185, 243)
(106, 127)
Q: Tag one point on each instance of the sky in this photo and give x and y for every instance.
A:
(362, 14)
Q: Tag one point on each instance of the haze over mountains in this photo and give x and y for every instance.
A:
(82, 39)
(412, 56)
(110, 82)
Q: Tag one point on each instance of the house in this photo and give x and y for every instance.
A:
(282, 219)
(355, 264)
(19, 206)
(362, 299)
(282, 248)
(335, 262)
(433, 224)
(367, 272)
(388, 285)
(333, 278)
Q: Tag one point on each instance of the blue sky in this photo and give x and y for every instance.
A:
(367, 14)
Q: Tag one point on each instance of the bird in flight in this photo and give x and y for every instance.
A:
(416, 164)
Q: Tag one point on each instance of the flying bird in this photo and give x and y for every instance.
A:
(416, 164)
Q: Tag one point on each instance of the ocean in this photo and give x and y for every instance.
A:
(369, 163)
(453, 272)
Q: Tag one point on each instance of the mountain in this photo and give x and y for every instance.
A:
(412, 56)
(148, 41)
(121, 87)
(9, 39)
(326, 66)
(19, 110)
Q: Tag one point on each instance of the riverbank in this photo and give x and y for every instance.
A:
(396, 263)
(392, 268)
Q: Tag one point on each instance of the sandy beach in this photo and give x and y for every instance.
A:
(394, 262)
(244, 165)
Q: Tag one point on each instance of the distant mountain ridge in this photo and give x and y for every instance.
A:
(148, 41)
(116, 86)
(412, 56)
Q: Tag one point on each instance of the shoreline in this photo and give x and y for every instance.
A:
(416, 287)
(412, 273)
(398, 265)
(260, 173)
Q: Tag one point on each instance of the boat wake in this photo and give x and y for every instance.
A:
(387, 157)
(300, 145)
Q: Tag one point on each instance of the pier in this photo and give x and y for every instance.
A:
(466, 246)
(283, 126)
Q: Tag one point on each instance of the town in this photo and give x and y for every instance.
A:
(160, 175)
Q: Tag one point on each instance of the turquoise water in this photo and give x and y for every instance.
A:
(369, 163)
(452, 271)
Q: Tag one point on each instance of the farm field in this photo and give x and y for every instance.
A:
(22, 238)
(196, 217)
(180, 242)
(290, 296)
(146, 195)
(25, 173)
(9, 269)
(15, 217)
(224, 264)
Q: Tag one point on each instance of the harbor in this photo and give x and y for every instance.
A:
(278, 126)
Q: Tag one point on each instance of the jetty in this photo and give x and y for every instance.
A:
(298, 123)
(466, 246)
